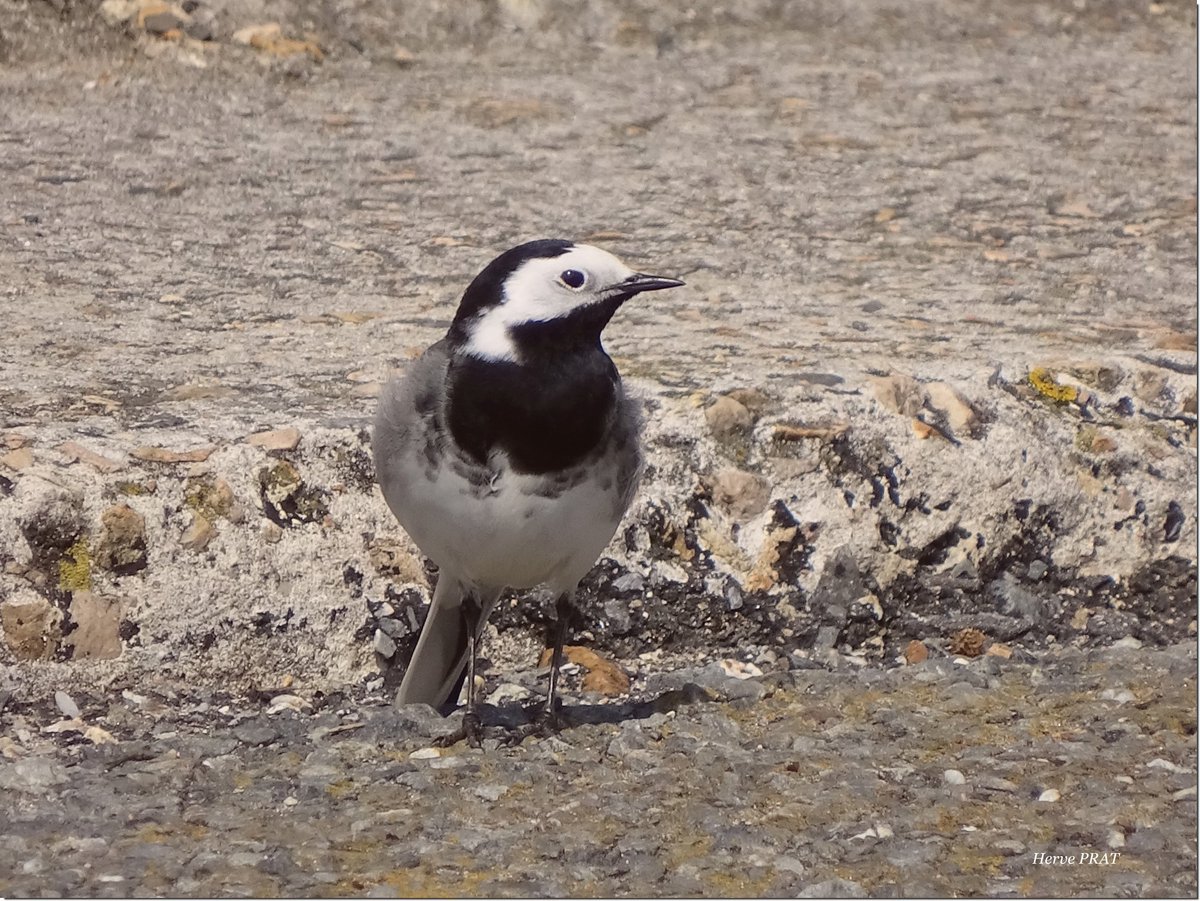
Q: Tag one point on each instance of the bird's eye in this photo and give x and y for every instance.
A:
(573, 278)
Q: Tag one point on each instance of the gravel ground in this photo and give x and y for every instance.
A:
(916, 649)
(948, 777)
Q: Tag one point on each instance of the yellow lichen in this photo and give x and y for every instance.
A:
(1044, 383)
(75, 568)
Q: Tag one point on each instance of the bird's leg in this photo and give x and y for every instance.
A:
(564, 609)
(471, 612)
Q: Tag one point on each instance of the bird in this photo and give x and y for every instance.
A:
(509, 452)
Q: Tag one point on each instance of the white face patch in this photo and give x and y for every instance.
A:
(541, 290)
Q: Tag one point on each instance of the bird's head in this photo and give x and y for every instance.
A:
(545, 294)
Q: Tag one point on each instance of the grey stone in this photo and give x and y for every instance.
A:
(66, 704)
(256, 732)
(833, 888)
(32, 775)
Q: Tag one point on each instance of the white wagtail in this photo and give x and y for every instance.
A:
(509, 451)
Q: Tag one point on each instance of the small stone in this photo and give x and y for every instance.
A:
(508, 693)
(97, 632)
(270, 532)
(899, 393)
(202, 26)
(728, 419)
(742, 494)
(1120, 695)
(198, 534)
(32, 628)
(960, 415)
(33, 775)
(290, 801)
(121, 547)
(66, 705)
(159, 18)
(425, 754)
(1116, 838)
(164, 455)
(491, 792)
(739, 670)
(1050, 796)
(98, 736)
(255, 733)
(383, 644)
(954, 777)
(602, 676)
(1158, 763)
(833, 888)
(79, 454)
(117, 12)
(419, 721)
(16, 460)
(915, 652)
(1184, 794)
(403, 57)
(291, 702)
(997, 784)
(967, 642)
(1079, 619)
(1010, 847)
(278, 439)
(1128, 643)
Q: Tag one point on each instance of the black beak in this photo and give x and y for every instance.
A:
(637, 283)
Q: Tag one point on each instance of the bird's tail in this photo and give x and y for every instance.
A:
(439, 661)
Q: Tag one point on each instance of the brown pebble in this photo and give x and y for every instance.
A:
(81, 454)
(276, 439)
(967, 642)
(728, 418)
(916, 652)
(18, 459)
(164, 455)
(198, 534)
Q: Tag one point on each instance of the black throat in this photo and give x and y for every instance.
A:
(549, 410)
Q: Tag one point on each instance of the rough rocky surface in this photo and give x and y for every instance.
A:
(932, 383)
(944, 778)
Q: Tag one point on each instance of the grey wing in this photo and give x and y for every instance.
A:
(627, 445)
(407, 420)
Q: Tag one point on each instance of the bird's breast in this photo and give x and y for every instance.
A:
(545, 416)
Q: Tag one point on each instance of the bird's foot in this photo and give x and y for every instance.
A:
(472, 728)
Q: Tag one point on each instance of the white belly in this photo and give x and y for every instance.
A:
(505, 534)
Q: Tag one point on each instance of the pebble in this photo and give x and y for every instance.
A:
(1050, 796)
(492, 792)
(996, 784)
(1128, 643)
(197, 535)
(425, 754)
(276, 439)
(727, 418)
(453, 762)
(954, 777)
(1121, 696)
(255, 733)
(833, 888)
(1159, 763)
(383, 644)
(66, 704)
(508, 693)
(33, 775)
